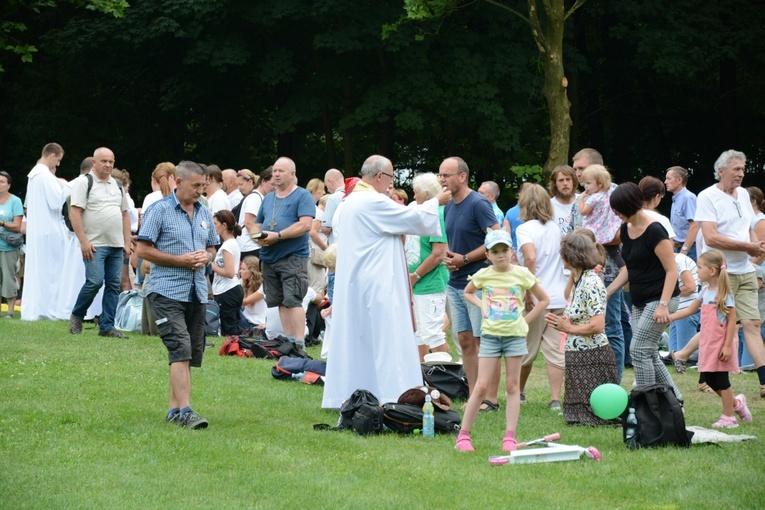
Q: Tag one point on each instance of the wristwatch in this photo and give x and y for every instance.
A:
(465, 260)
(280, 236)
(664, 303)
(683, 249)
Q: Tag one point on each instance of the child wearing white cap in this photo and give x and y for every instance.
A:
(503, 286)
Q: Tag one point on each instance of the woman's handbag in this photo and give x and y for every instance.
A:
(13, 239)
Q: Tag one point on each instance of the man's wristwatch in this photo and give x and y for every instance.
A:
(280, 236)
(664, 303)
(465, 260)
(683, 249)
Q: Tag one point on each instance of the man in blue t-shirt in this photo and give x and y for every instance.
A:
(468, 216)
(285, 217)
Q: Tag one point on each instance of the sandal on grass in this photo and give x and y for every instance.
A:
(489, 406)
(678, 363)
(705, 388)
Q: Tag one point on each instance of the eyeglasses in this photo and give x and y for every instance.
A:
(389, 175)
(738, 208)
(244, 176)
(445, 176)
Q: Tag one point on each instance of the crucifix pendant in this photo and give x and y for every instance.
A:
(272, 224)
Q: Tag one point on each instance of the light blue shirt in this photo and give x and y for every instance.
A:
(498, 213)
(683, 211)
(8, 211)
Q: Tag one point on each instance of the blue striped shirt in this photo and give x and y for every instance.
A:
(168, 227)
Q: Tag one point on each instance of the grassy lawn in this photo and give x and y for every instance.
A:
(82, 426)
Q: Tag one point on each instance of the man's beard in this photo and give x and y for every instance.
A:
(566, 196)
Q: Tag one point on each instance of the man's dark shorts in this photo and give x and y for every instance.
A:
(181, 327)
(286, 281)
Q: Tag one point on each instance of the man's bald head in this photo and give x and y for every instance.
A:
(333, 179)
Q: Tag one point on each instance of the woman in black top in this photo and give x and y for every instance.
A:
(652, 274)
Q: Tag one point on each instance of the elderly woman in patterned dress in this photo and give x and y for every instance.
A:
(590, 360)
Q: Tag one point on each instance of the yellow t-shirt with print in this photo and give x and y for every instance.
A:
(502, 302)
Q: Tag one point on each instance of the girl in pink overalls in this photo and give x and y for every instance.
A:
(717, 342)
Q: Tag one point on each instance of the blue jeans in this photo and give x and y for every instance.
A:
(465, 316)
(105, 269)
(614, 330)
(680, 332)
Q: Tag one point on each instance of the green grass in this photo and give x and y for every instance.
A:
(82, 426)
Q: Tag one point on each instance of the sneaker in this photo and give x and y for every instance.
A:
(743, 410)
(726, 422)
(173, 418)
(554, 405)
(75, 325)
(762, 390)
(464, 444)
(191, 420)
(509, 444)
(523, 398)
(112, 333)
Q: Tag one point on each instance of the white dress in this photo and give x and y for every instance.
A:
(54, 271)
(372, 343)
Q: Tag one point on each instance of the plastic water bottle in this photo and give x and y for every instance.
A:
(428, 421)
(299, 376)
(629, 435)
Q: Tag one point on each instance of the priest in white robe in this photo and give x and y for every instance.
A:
(53, 270)
(372, 339)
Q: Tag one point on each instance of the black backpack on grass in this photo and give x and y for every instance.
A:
(659, 415)
(405, 418)
(449, 379)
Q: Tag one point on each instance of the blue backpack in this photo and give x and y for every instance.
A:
(212, 319)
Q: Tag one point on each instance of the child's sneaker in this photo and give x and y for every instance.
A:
(463, 443)
(508, 443)
(726, 422)
(741, 409)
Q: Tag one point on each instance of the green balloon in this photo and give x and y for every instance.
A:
(608, 401)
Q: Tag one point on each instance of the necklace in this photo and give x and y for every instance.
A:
(274, 212)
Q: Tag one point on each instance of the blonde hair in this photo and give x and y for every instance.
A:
(323, 200)
(330, 256)
(600, 174)
(253, 283)
(314, 184)
(715, 260)
(535, 204)
(161, 175)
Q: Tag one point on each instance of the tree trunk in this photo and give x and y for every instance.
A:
(554, 88)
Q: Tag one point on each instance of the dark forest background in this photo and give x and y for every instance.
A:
(238, 82)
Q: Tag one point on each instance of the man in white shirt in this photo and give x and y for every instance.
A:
(562, 188)
(217, 198)
(231, 187)
(724, 213)
(100, 220)
(335, 183)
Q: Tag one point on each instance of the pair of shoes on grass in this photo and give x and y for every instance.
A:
(464, 445)
(190, 420)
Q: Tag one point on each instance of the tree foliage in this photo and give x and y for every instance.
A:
(236, 82)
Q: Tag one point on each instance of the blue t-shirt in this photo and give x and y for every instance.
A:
(513, 217)
(466, 225)
(285, 212)
(9, 210)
